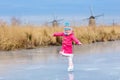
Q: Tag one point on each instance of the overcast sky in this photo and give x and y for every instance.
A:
(41, 10)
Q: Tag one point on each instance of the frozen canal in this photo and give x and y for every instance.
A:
(99, 61)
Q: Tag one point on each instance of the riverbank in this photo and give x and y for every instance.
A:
(30, 36)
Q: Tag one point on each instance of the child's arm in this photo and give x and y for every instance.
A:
(58, 34)
(76, 40)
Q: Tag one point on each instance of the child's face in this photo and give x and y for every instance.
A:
(68, 32)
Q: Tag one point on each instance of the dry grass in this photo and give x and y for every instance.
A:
(30, 36)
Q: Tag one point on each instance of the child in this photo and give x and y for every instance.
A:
(66, 49)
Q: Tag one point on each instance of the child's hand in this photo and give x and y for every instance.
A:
(79, 43)
(52, 35)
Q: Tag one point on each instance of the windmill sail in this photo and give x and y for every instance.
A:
(91, 11)
(99, 15)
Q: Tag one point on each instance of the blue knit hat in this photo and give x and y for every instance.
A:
(67, 26)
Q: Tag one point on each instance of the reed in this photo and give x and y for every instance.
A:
(30, 36)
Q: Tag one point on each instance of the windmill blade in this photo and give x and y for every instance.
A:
(85, 19)
(54, 17)
(60, 20)
(91, 11)
(99, 15)
(50, 22)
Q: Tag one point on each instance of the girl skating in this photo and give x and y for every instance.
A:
(66, 49)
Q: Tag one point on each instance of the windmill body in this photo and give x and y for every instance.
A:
(92, 21)
(54, 23)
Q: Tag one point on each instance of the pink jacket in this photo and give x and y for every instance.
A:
(67, 42)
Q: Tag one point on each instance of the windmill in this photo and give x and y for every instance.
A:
(55, 21)
(114, 23)
(92, 21)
